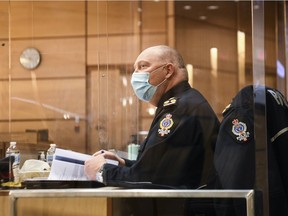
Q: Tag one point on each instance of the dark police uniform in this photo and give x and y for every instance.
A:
(235, 148)
(178, 149)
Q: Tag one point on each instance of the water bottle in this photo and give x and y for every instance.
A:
(12, 150)
(133, 150)
(41, 156)
(50, 153)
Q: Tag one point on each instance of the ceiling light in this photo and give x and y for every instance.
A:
(212, 7)
(187, 7)
(202, 17)
(256, 7)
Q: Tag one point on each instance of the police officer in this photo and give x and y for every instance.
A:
(178, 149)
(235, 148)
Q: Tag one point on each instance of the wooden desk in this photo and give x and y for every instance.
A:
(4, 203)
(58, 202)
(56, 206)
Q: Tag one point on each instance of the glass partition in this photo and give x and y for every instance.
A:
(77, 93)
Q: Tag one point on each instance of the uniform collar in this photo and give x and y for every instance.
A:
(174, 92)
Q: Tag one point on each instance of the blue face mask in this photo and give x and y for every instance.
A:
(141, 86)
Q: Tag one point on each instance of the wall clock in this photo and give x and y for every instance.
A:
(30, 58)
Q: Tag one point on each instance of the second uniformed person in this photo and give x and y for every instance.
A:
(178, 149)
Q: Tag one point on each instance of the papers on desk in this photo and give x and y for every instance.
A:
(69, 165)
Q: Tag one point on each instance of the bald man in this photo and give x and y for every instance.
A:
(179, 147)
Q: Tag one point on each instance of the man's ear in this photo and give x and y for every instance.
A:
(170, 69)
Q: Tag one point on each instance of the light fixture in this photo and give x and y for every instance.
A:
(202, 17)
(187, 7)
(214, 61)
(130, 100)
(190, 74)
(124, 81)
(256, 7)
(280, 70)
(212, 7)
(241, 58)
(124, 102)
(151, 111)
(66, 116)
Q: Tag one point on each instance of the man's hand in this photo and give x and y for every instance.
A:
(111, 156)
(93, 165)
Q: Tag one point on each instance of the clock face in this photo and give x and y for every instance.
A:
(30, 58)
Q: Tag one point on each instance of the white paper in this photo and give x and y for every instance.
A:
(69, 165)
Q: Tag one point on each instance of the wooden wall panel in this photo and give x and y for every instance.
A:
(40, 99)
(4, 97)
(4, 17)
(66, 134)
(58, 29)
(217, 90)
(153, 40)
(4, 59)
(111, 17)
(197, 38)
(34, 19)
(61, 57)
(123, 48)
(4, 33)
(154, 17)
(113, 109)
(52, 102)
(117, 49)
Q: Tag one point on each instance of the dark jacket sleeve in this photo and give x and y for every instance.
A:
(129, 163)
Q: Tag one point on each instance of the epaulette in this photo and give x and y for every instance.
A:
(170, 102)
(226, 109)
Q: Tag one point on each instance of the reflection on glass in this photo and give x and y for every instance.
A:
(190, 74)
(241, 58)
(214, 61)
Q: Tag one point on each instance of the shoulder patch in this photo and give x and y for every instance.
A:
(165, 125)
(170, 102)
(240, 130)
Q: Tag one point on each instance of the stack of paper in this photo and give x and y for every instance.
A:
(69, 165)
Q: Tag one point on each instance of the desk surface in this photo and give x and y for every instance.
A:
(120, 192)
(115, 192)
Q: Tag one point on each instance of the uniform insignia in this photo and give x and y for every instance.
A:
(226, 108)
(165, 125)
(239, 129)
(170, 102)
